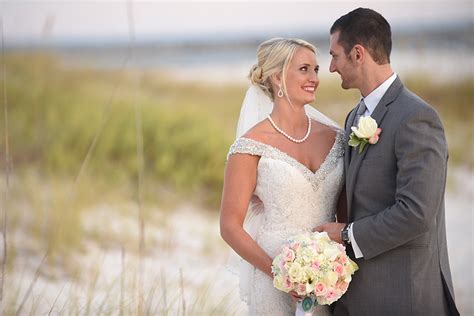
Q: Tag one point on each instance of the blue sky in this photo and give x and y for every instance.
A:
(69, 19)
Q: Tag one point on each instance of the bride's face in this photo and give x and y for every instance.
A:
(302, 77)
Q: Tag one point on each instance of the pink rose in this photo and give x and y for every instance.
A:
(320, 289)
(315, 265)
(339, 269)
(342, 259)
(281, 264)
(331, 295)
(375, 138)
(301, 289)
(288, 254)
(288, 284)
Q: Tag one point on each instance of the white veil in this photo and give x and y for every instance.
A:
(255, 108)
(257, 105)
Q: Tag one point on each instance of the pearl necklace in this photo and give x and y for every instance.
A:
(288, 136)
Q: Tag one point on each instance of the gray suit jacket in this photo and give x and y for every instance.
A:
(395, 194)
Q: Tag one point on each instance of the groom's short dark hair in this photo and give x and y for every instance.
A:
(367, 28)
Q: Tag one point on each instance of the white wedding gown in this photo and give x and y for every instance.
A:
(295, 200)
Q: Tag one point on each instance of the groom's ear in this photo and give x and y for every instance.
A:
(359, 53)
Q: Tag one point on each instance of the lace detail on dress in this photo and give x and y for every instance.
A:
(336, 152)
(247, 146)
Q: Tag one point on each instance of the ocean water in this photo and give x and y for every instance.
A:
(233, 64)
(439, 54)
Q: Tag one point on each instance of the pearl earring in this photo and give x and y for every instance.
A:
(280, 92)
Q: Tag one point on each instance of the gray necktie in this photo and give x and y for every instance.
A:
(360, 111)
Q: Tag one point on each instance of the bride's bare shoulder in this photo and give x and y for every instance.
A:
(261, 132)
(324, 131)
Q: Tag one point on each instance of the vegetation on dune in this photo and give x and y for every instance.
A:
(55, 113)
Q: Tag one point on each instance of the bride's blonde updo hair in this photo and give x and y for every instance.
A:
(274, 56)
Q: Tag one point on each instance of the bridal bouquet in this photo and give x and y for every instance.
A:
(315, 267)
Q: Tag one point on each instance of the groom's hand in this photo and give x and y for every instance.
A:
(333, 230)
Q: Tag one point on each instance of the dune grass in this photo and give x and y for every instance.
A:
(91, 293)
(55, 118)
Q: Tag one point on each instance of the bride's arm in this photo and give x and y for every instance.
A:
(239, 184)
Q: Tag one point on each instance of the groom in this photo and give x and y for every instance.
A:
(395, 187)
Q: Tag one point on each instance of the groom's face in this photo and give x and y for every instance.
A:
(342, 63)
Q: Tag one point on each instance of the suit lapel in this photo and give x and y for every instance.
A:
(356, 159)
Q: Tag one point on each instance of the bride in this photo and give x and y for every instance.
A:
(287, 167)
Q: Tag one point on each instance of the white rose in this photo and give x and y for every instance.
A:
(331, 253)
(322, 237)
(295, 272)
(307, 254)
(331, 278)
(278, 282)
(366, 128)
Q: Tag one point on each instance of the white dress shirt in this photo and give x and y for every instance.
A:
(371, 102)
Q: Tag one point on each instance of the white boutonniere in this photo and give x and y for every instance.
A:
(366, 132)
